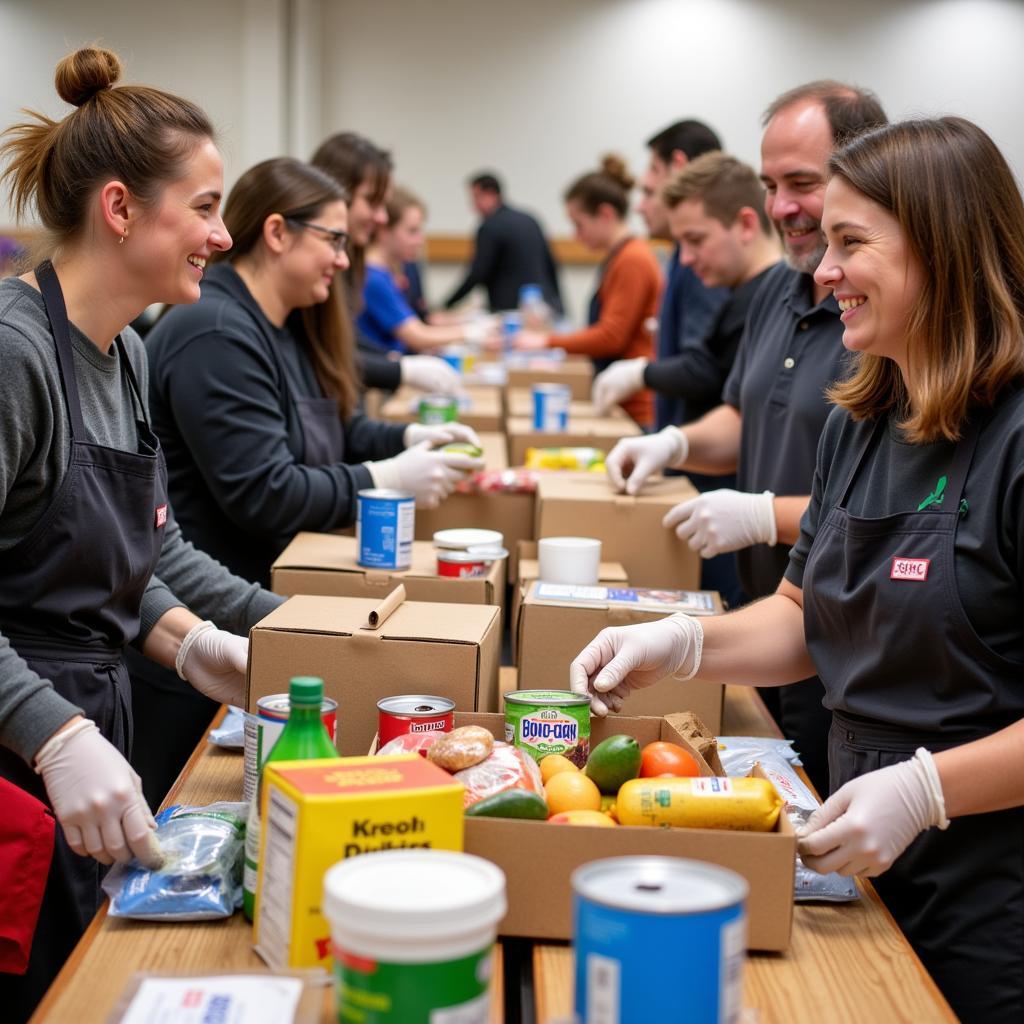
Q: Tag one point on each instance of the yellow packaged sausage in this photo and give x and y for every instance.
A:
(750, 805)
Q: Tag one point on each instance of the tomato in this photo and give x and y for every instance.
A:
(660, 758)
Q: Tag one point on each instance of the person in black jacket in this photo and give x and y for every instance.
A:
(511, 251)
(253, 394)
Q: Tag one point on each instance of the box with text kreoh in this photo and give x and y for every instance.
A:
(555, 622)
(365, 650)
(315, 813)
(629, 528)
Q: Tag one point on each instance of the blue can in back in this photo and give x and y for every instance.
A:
(658, 939)
(551, 408)
(385, 521)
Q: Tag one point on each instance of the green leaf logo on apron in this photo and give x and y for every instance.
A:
(935, 498)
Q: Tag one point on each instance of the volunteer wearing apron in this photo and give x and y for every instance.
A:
(91, 558)
(625, 303)
(253, 393)
(910, 562)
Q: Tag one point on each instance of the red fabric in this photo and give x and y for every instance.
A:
(26, 848)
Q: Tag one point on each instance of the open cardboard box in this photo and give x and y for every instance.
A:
(327, 565)
(550, 633)
(576, 371)
(582, 432)
(519, 403)
(538, 858)
(485, 410)
(447, 650)
(629, 528)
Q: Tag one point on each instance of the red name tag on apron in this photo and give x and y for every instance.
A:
(161, 516)
(915, 569)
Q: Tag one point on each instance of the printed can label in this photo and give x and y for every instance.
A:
(551, 408)
(397, 716)
(385, 523)
(438, 409)
(541, 729)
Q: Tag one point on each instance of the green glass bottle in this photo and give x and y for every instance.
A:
(304, 738)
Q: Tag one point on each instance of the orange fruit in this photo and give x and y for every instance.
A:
(582, 818)
(552, 764)
(571, 791)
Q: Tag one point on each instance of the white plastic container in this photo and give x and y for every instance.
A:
(412, 933)
(575, 560)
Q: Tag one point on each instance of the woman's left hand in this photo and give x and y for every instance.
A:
(417, 433)
(863, 827)
(214, 662)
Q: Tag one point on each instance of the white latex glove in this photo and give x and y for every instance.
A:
(214, 662)
(621, 659)
(97, 797)
(429, 373)
(417, 433)
(620, 381)
(430, 474)
(724, 520)
(869, 822)
(634, 459)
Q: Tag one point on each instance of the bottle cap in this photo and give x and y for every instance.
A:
(306, 690)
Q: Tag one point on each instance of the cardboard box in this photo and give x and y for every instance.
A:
(326, 564)
(447, 650)
(550, 633)
(629, 528)
(538, 858)
(519, 403)
(316, 813)
(576, 371)
(485, 410)
(582, 433)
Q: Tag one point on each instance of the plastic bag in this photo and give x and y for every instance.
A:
(410, 743)
(743, 751)
(201, 877)
(231, 731)
(499, 481)
(507, 767)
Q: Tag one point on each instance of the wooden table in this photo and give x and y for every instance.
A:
(847, 962)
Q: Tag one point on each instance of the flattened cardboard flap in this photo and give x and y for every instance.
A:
(597, 487)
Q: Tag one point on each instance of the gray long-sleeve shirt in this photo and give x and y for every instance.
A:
(35, 449)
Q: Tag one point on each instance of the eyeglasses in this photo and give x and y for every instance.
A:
(337, 240)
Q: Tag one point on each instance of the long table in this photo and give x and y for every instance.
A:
(847, 962)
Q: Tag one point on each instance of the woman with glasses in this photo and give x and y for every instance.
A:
(253, 391)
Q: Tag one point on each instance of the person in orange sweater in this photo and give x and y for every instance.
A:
(629, 282)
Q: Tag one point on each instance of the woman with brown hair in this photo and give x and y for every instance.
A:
(628, 286)
(904, 588)
(127, 188)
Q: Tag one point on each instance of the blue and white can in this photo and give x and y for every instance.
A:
(511, 325)
(658, 939)
(551, 408)
(385, 522)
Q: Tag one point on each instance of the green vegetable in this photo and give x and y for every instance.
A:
(612, 762)
(463, 448)
(510, 803)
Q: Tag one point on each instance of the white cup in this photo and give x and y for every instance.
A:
(575, 560)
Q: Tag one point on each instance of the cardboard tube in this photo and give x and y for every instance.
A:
(378, 616)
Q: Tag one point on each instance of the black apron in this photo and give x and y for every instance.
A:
(70, 599)
(886, 628)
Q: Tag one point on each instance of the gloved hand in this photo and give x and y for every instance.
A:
(621, 659)
(724, 520)
(430, 475)
(214, 662)
(97, 797)
(634, 459)
(620, 381)
(442, 434)
(863, 827)
(428, 373)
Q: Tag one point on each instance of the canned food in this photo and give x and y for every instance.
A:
(465, 538)
(385, 522)
(511, 325)
(470, 563)
(543, 722)
(551, 407)
(416, 712)
(438, 409)
(636, 919)
(262, 729)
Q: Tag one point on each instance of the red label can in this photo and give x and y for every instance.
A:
(414, 712)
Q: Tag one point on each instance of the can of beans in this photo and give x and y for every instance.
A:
(471, 563)
(263, 727)
(385, 523)
(551, 408)
(414, 712)
(543, 722)
(435, 410)
(631, 918)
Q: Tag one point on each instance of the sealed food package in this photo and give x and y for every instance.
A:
(201, 877)
(743, 752)
(499, 481)
(231, 731)
(590, 459)
(507, 767)
(410, 743)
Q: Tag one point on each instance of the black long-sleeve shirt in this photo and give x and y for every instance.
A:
(511, 251)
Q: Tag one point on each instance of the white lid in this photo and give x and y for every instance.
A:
(468, 538)
(414, 893)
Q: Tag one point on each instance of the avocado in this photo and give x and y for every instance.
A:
(510, 803)
(612, 762)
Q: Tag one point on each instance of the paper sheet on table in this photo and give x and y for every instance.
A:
(231, 998)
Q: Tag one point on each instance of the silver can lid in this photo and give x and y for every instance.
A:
(416, 704)
(386, 494)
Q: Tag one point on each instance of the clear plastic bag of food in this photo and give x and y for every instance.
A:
(507, 767)
(201, 877)
(410, 743)
(499, 481)
(231, 731)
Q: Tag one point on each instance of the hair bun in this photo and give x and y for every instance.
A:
(614, 167)
(82, 74)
